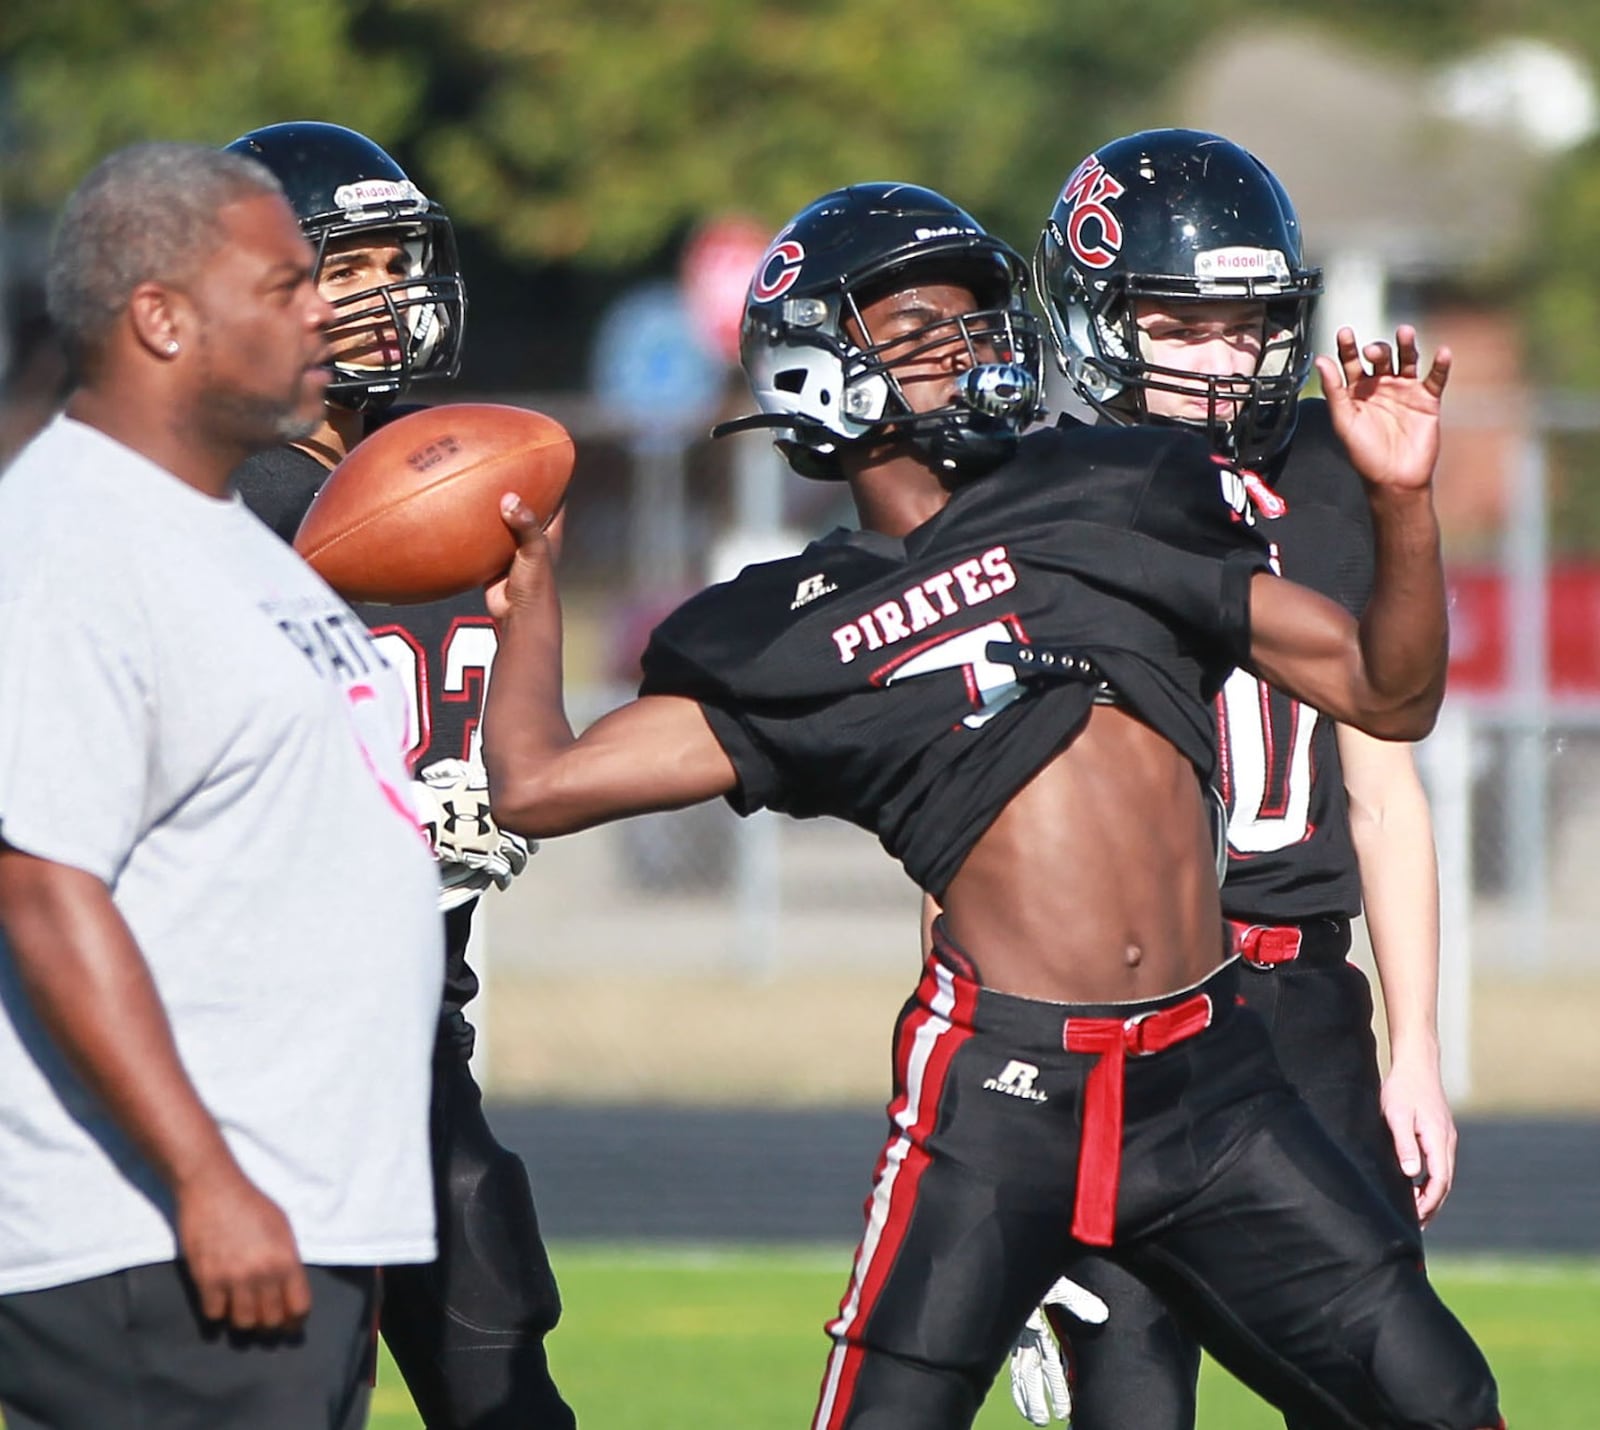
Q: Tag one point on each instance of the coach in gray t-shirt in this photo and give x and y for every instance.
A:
(220, 960)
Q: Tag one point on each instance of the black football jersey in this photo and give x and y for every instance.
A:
(443, 650)
(903, 685)
(1289, 851)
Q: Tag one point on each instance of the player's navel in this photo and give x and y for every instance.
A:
(1133, 955)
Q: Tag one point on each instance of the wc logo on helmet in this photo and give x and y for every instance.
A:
(1093, 232)
(778, 272)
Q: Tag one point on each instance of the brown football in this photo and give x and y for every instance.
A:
(413, 513)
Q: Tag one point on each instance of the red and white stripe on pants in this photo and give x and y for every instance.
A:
(929, 1040)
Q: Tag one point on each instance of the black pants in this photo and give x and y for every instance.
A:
(467, 1330)
(1140, 1368)
(1233, 1203)
(130, 1349)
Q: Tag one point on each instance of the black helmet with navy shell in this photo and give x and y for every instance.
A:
(818, 374)
(1178, 215)
(340, 184)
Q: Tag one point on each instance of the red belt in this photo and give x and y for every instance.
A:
(1265, 945)
(1094, 1211)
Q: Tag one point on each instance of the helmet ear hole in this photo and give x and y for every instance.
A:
(791, 379)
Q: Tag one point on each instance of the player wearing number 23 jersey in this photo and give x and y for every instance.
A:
(466, 1331)
(442, 651)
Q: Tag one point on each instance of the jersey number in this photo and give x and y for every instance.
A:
(990, 686)
(1266, 775)
(458, 672)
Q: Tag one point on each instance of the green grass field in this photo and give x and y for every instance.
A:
(732, 1340)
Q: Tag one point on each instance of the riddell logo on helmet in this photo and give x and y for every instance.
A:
(367, 193)
(1241, 262)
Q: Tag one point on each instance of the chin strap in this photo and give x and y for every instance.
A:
(755, 422)
(976, 433)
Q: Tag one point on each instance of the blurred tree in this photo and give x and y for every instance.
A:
(81, 77)
(601, 129)
(577, 137)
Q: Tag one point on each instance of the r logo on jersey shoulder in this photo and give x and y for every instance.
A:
(813, 588)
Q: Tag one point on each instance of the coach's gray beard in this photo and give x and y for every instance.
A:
(296, 429)
(255, 421)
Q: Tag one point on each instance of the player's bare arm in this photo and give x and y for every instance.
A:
(1392, 830)
(1386, 674)
(92, 989)
(655, 753)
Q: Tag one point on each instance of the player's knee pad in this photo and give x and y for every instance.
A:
(496, 1272)
(1422, 1371)
(1431, 1370)
(891, 1392)
(1143, 1375)
(1138, 1368)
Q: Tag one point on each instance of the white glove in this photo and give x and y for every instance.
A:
(452, 799)
(1039, 1386)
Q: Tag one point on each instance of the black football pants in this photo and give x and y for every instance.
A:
(1140, 1368)
(467, 1330)
(1270, 1246)
(131, 1349)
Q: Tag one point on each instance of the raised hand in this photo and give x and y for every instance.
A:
(1384, 413)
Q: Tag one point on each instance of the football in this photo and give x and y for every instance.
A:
(413, 513)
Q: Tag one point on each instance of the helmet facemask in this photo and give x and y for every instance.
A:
(817, 369)
(414, 321)
(1108, 356)
(1179, 217)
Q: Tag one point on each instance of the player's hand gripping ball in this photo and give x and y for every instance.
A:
(413, 513)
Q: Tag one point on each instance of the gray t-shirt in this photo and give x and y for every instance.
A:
(188, 713)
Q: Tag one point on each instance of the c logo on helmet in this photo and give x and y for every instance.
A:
(1087, 193)
(778, 272)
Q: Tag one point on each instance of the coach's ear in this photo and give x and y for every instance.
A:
(159, 319)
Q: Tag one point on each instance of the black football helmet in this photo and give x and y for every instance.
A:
(1178, 214)
(340, 183)
(829, 386)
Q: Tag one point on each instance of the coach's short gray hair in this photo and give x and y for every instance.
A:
(147, 212)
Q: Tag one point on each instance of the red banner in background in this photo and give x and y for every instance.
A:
(718, 263)
(1480, 634)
